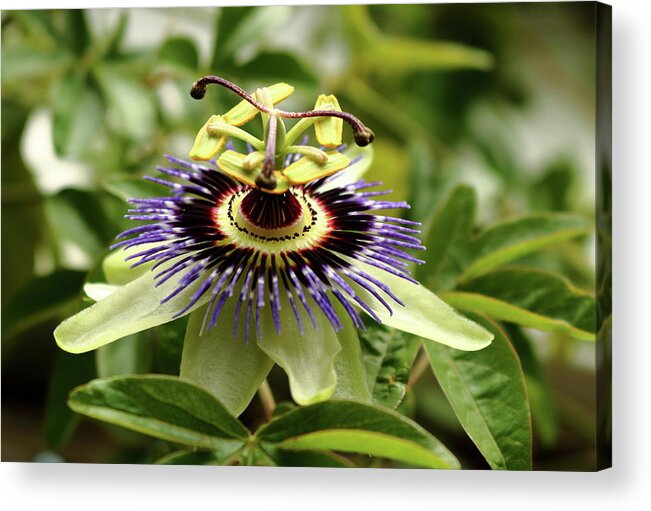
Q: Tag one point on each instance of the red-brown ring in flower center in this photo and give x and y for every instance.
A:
(270, 211)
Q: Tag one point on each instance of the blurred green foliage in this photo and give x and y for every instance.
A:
(496, 98)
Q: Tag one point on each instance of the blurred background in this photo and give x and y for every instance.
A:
(497, 96)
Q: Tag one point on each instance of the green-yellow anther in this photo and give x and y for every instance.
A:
(328, 129)
(244, 111)
(313, 153)
(232, 163)
(253, 160)
(305, 169)
(221, 128)
(207, 145)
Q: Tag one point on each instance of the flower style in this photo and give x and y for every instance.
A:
(280, 244)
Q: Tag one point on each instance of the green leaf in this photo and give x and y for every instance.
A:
(131, 355)
(160, 406)
(288, 458)
(130, 309)
(180, 51)
(388, 355)
(531, 298)
(69, 371)
(453, 253)
(76, 111)
(391, 55)
(511, 240)
(44, 298)
(228, 21)
(277, 66)
(487, 391)
(425, 180)
(128, 187)
(355, 427)
(21, 64)
(225, 365)
(446, 238)
(218, 456)
(111, 44)
(543, 408)
(77, 218)
(76, 34)
(250, 33)
(399, 55)
(20, 213)
(424, 314)
(131, 104)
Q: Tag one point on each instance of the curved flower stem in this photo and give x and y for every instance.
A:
(267, 399)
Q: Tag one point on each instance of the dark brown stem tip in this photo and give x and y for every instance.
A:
(266, 182)
(198, 90)
(363, 136)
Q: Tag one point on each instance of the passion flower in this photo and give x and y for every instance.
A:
(280, 244)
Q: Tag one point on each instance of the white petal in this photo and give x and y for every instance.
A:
(227, 366)
(424, 314)
(97, 291)
(130, 309)
(351, 375)
(307, 359)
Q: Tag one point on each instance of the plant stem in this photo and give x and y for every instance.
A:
(422, 363)
(267, 399)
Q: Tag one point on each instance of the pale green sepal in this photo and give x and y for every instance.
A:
(309, 359)
(97, 291)
(351, 376)
(306, 169)
(207, 145)
(244, 111)
(328, 130)
(130, 309)
(226, 366)
(424, 314)
(118, 271)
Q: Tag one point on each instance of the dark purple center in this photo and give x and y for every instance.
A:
(271, 211)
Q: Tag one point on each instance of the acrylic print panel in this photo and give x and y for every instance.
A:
(367, 241)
